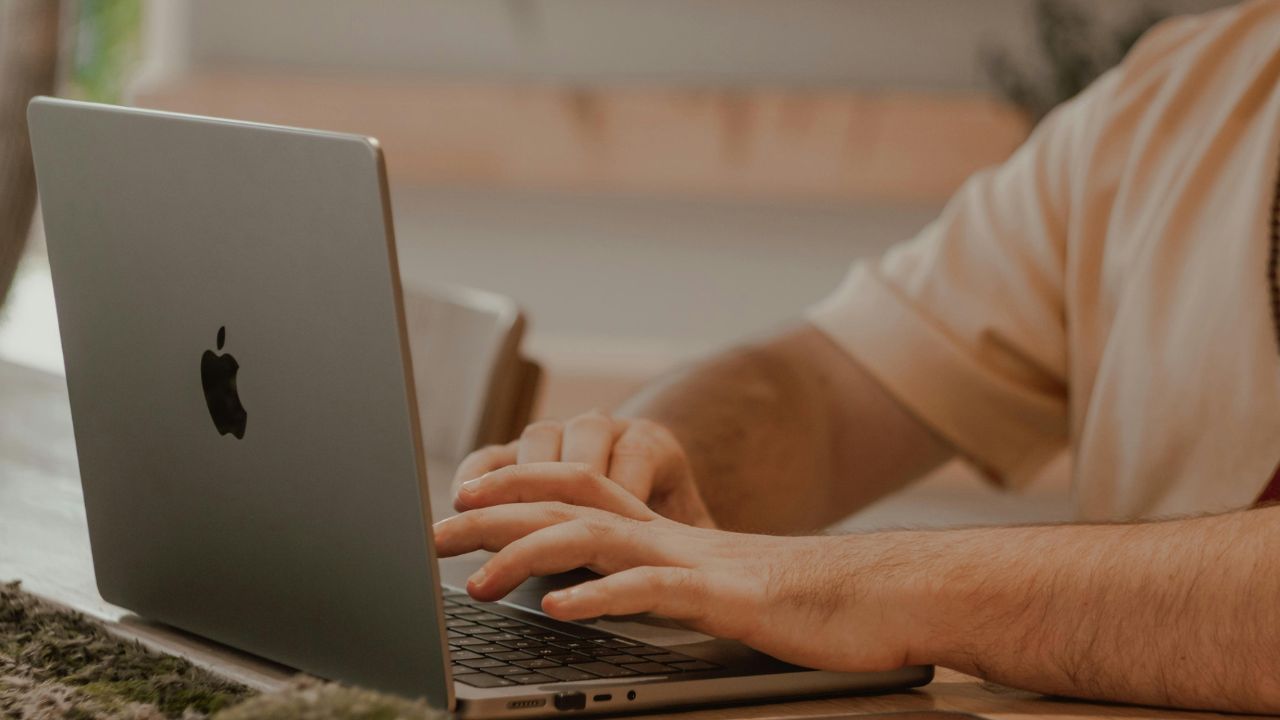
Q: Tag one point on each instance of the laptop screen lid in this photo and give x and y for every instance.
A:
(229, 305)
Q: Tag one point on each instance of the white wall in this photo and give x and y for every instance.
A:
(925, 44)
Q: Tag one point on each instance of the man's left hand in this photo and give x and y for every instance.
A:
(815, 601)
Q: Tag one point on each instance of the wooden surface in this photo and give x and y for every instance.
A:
(44, 543)
(759, 143)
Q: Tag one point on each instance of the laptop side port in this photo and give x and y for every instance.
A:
(571, 701)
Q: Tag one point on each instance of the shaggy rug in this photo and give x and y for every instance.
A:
(59, 664)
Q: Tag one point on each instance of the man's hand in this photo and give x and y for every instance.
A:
(790, 597)
(1180, 613)
(641, 456)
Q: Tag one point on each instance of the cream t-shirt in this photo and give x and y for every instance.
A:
(1106, 290)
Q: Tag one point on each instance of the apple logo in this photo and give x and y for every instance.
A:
(218, 376)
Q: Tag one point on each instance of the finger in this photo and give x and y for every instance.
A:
(540, 442)
(674, 592)
(478, 463)
(496, 527)
(605, 544)
(552, 482)
(644, 450)
(588, 438)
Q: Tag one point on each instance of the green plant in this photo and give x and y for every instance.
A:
(105, 48)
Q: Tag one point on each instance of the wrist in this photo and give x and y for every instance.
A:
(974, 587)
(928, 587)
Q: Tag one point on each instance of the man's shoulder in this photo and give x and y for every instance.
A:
(1243, 32)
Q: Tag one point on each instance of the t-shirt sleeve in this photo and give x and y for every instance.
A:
(964, 324)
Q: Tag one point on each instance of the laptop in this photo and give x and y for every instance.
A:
(242, 394)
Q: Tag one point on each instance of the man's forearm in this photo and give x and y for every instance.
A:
(744, 421)
(1183, 613)
(789, 434)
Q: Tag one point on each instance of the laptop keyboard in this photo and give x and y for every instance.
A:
(489, 648)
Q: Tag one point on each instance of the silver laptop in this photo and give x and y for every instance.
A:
(229, 303)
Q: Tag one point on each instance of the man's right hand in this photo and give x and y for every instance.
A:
(642, 456)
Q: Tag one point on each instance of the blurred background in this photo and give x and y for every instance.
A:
(649, 179)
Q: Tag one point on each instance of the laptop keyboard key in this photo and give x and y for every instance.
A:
(646, 650)
(574, 644)
(615, 643)
(512, 655)
(523, 643)
(459, 655)
(649, 668)
(482, 680)
(496, 636)
(505, 670)
(567, 674)
(488, 649)
(537, 663)
(482, 663)
(531, 678)
(602, 669)
(666, 658)
(569, 659)
(620, 659)
(693, 665)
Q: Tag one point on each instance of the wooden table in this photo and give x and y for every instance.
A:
(44, 543)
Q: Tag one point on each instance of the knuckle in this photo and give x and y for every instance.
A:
(660, 436)
(597, 528)
(584, 477)
(464, 523)
(650, 438)
(595, 418)
(636, 443)
(542, 427)
(627, 529)
(513, 477)
(559, 512)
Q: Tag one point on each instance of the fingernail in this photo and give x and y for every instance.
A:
(472, 485)
(477, 578)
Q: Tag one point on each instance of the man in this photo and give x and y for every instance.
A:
(1111, 289)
